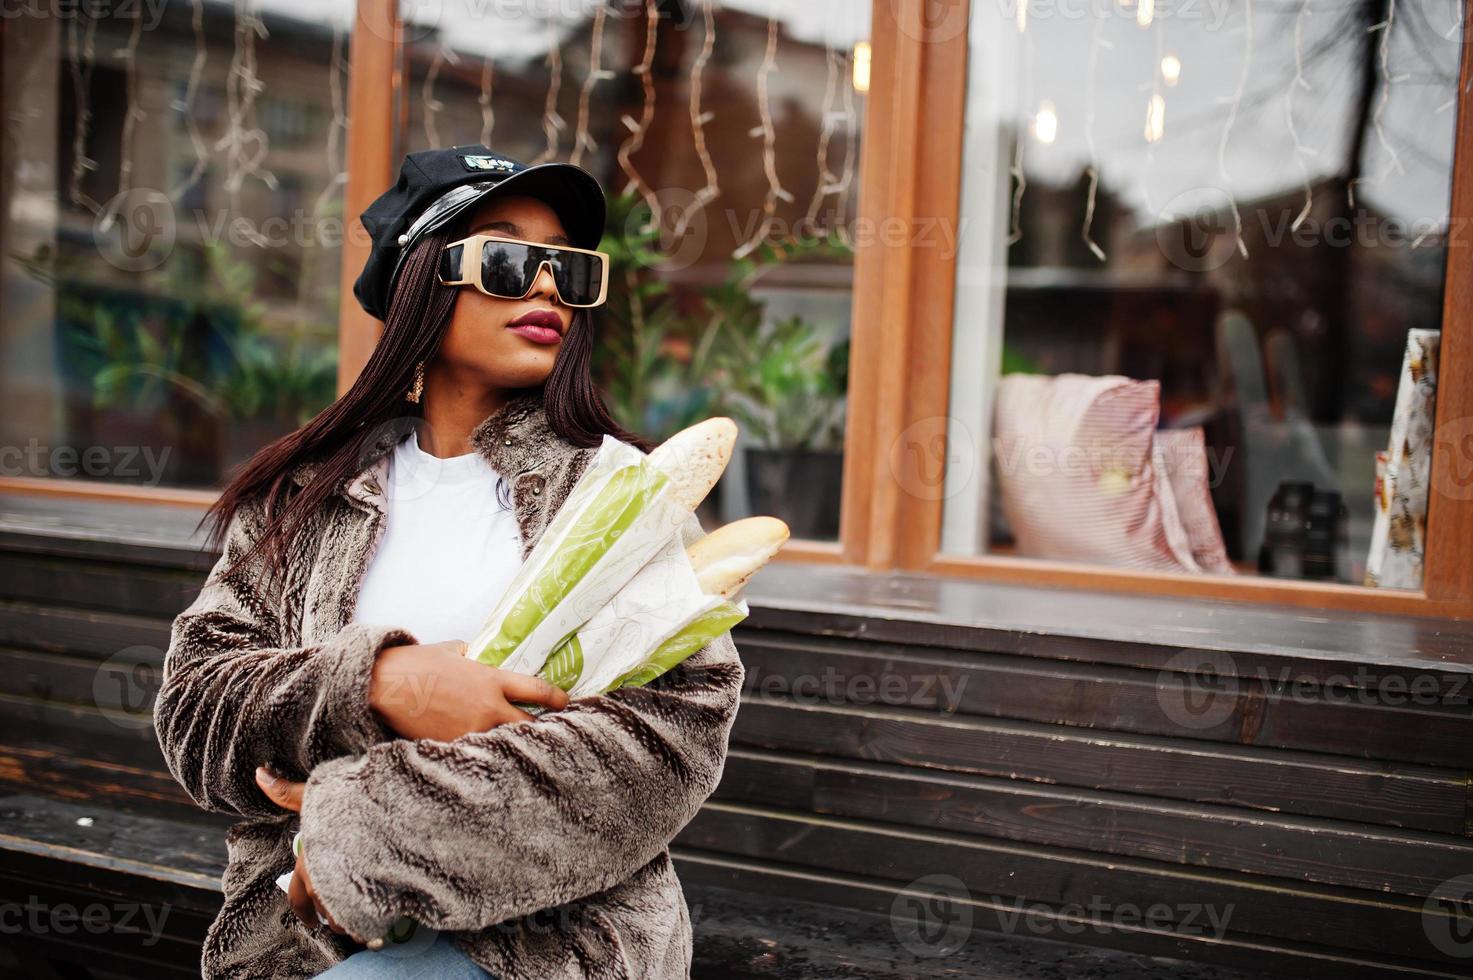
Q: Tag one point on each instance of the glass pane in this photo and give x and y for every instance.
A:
(1200, 283)
(172, 194)
(732, 168)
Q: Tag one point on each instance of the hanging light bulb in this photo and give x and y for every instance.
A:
(1046, 123)
(1145, 13)
(1155, 118)
(1170, 70)
(861, 66)
(1022, 16)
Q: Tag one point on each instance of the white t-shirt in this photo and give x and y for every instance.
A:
(448, 550)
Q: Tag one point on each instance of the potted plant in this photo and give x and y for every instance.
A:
(664, 369)
(786, 384)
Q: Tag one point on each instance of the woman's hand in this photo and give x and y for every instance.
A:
(433, 691)
(300, 894)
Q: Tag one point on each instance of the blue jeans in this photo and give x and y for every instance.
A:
(428, 956)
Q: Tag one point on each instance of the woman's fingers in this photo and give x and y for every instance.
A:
(281, 791)
(300, 898)
(317, 907)
(533, 690)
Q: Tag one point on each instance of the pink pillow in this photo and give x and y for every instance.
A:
(1182, 455)
(1075, 465)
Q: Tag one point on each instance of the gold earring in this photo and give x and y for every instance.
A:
(417, 390)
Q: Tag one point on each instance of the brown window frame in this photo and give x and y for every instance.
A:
(902, 335)
(911, 170)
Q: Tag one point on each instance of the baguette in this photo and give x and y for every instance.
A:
(729, 556)
(694, 458)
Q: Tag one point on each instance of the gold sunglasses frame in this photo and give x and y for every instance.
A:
(470, 268)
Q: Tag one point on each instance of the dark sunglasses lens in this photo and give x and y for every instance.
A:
(578, 276)
(507, 269)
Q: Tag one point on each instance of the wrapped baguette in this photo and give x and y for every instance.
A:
(679, 598)
(726, 559)
(625, 509)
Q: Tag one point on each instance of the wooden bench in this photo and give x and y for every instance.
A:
(138, 892)
(915, 761)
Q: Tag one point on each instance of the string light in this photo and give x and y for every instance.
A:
(432, 105)
(1170, 70)
(1097, 41)
(552, 123)
(768, 133)
(1022, 16)
(1155, 118)
(245, 143)
(582, 138)
(698, 120)
(133, 114)
(185, 106)
(1300, 150)
(1145, 13)
(1227, 128)
(1393, 162)
(337, 72)
(826, 177)
(1015, 170)
(1045, 123)
(81, 55)
(637, 129)
(861, 63)
(488, 114)
(845, 191)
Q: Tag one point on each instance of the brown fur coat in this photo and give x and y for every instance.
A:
(541, 846)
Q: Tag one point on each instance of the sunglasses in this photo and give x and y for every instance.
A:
(506, 268)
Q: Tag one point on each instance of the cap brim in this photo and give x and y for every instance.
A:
(570, 191)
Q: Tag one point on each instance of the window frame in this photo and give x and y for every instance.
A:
(900, 362)
(900, 366)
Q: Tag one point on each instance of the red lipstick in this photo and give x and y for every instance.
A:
(538, 326)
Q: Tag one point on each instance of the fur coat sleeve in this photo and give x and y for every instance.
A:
(235, 696)
(464, 835)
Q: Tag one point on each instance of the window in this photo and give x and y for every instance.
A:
(728, 139)
(1199, 285)
(172, 221)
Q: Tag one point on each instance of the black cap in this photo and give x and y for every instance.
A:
(435, 186)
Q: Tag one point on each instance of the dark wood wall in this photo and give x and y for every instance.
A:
(1281, 791)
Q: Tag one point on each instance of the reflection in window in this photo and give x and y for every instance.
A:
(728, 137)
(172, 181)
(1202, 253)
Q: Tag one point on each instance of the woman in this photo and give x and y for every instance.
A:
(325, 648)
